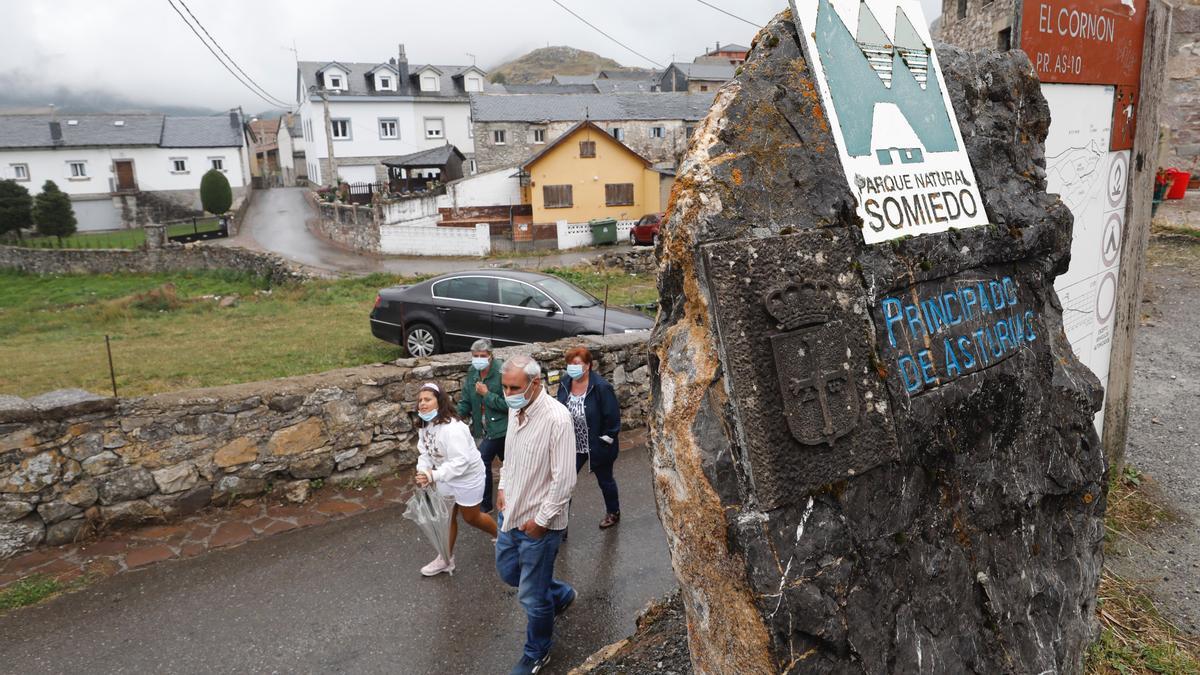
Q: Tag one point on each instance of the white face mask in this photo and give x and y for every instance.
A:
(480, 362)
(518, 401)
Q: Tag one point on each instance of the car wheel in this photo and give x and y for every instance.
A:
(656, 240)
(632, 239)
(420, 340)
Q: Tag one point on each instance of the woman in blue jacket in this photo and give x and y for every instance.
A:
(597, 416)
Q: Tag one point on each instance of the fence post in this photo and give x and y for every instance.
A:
(156, 236)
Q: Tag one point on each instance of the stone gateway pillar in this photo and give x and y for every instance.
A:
(880, 457)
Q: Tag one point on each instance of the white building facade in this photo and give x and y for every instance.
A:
(106, 161)
(382, 110)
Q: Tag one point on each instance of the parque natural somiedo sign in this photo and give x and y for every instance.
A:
(899, 141)
(873, 443)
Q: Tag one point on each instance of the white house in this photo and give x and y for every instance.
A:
(290, 141)
(109, 163)
(380, 110)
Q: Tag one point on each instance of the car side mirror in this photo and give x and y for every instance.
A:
(549, 306)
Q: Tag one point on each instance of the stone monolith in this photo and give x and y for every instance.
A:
(872, 458)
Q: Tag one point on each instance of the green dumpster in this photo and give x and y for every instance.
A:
(604, 230)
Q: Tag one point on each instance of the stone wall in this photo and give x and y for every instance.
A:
(350, 225)
(981, 26)
(1182, 109)
(171, 258)
(72, 461)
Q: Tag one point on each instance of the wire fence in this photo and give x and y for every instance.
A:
(184, 230)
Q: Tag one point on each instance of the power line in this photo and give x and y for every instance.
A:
(726, 13)
(259, 92)
(228, 57)
(597, 29)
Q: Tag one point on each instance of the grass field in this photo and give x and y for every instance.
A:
(116, 238)
(167, 335)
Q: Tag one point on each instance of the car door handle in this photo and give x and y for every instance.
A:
(443, 309)
(502, 316)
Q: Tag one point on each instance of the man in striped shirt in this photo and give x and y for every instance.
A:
(535, 488)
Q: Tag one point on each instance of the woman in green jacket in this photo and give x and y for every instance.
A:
(482, 403)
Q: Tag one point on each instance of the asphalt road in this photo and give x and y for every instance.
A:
(348, 598)
(277, 221)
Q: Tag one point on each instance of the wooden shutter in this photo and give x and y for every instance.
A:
(587, 148)
(618, 194)
(558, 196)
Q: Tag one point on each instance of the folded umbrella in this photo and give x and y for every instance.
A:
(431, 511)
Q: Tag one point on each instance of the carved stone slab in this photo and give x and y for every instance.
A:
(797, 348)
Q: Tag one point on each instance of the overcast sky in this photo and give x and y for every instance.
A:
(141, 49)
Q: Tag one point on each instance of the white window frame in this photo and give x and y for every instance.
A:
(334, 82)
(499, 137)
(474, 168)
(395, 122)
(473, 84)
(82, 174)
(440, 129)
(470, 127)
(175, 168)
(431, 78)
(333, 125)
(16, 171)
(618, 133)
(539, 136)
(385, 83)
(214, 161)
(658, 132)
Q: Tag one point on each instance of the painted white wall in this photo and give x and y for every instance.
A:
(286, 148)
(579, 235)
(494, 188)
(435, 240)
(152, 167)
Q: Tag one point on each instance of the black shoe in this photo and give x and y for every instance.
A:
(566, 603)
(528, 666)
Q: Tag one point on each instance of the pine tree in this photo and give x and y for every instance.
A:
(215, 194)
(53, 214)
(16, 207)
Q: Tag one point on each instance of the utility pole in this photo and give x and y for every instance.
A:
(332, 180)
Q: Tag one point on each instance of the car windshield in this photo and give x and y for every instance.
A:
(569, 294)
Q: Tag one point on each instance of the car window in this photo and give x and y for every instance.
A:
(644, 221)
(569, 294)
(651, 220)
(465, 288)
(518, 294)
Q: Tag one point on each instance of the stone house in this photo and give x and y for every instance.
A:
(696, 78)
(111, 165)
(264, 148)
(382, 109)
(586, 173)
(509, 129)
(977, 24)
(731, 53)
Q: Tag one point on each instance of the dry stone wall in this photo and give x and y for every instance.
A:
(170, 258)
(71, 461)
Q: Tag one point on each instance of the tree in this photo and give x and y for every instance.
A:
(52, 212)
(215, 194)
(16, 207)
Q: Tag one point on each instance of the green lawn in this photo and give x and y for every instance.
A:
(117, 238)
(167, 336)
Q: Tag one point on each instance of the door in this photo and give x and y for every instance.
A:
(464, 306)
(521, 315)
(124, 171)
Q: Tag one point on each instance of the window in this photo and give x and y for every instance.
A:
(498, 136)
(474, 289)
(385, 83)
(962, 9)
(474, 84)
(617, 133)
(618, 194)
(433, 127)
(539, 135)
(77, 169)
(568, 293)
(1004, 40)
(518, 294)
(474, 168)
(557, 196)
(470, 128)
(657, 132)
(218, 163)
(388, 129)
(335, 81)
(430, 82)
(704, 87)
(178, 165)
(341, 129)
(587, 148)
(20, 172)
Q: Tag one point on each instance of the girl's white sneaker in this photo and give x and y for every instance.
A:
(437, 566)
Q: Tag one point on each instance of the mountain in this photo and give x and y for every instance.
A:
(17, 94)
(546, 62)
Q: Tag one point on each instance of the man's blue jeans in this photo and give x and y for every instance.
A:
(528, 564)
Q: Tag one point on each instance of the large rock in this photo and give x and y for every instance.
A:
(124, 485)
(238, 451)
(34, 473)
(21, 535)
(11, 510)
(176, 478)
(837, 497)
(316, 466)
(298, 438)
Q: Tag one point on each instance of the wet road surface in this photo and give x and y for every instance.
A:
(277, 222)
(347, 597)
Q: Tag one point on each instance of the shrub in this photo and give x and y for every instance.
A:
(52, 212)
(16, 207)
(215, 194)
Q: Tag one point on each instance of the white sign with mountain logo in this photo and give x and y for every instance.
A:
(891, 118)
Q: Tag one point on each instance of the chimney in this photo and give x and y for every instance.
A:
(56, 133)
(233, 119)
(402, 87)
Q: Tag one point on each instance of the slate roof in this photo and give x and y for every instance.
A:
(614, 86)
(576, 127)
(573, 79)
(550, 88)
(559, 108)
(358, 83)
(714, 72)
(733, 47)
(138, 129)
(628, 75)
(438, 156)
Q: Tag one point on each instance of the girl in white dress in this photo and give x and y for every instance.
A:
(450, 461)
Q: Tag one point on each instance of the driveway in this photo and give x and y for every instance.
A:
(277, 221)
(347, 597)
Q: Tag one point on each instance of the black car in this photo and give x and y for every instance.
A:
(449, 312)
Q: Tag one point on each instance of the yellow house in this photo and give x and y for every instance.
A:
(586, 174)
